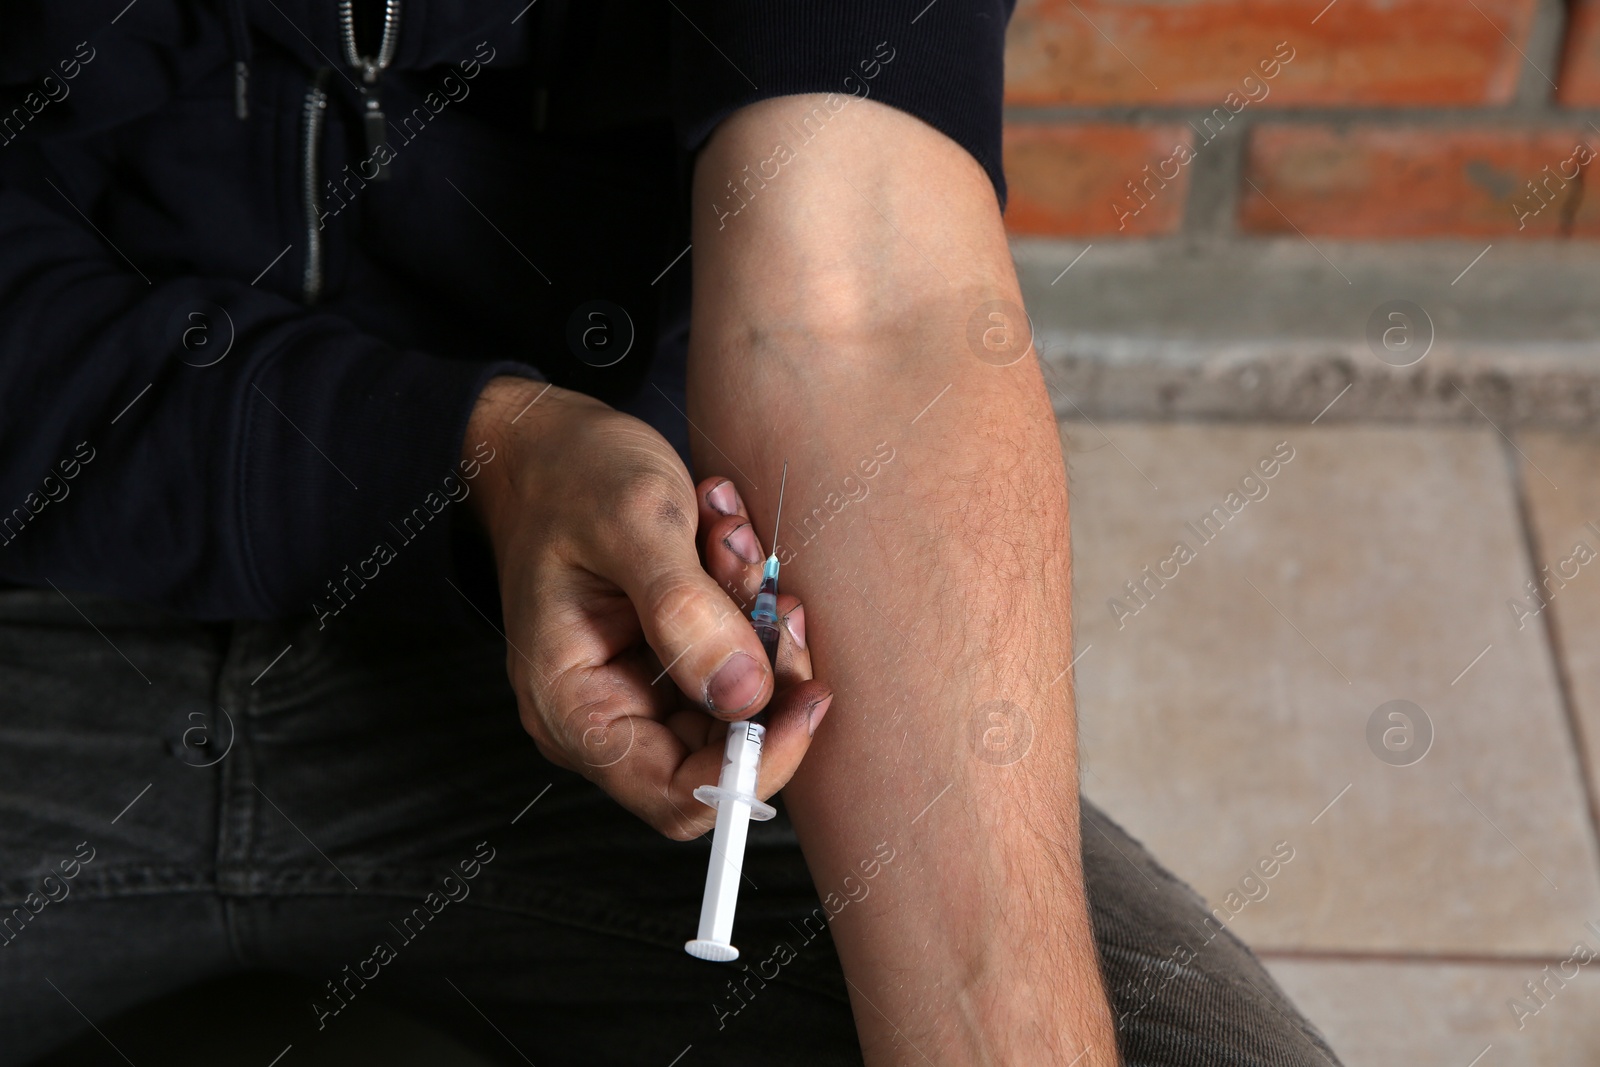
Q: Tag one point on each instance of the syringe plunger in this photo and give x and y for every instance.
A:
(734, 797)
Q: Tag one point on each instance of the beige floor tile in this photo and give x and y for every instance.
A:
(1379, 1014)
(1561, 477)
(1233, 708)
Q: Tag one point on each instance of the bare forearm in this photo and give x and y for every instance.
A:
(926, 530)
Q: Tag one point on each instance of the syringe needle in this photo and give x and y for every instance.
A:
(777, 521)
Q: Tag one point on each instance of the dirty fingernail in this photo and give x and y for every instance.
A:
(818, 710)
(741, 541)
(796, 622)
(724, 498)
(735, 684)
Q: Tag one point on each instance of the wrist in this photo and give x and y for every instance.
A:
(522, 422)
(503, 425)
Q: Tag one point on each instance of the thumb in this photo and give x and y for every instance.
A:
(699, 634)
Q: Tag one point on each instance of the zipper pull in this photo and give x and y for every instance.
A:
(376, 127)
(241, 89)
(373, 122)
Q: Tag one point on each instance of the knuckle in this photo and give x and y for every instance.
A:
(544, 740)
(651, 501)
(540, 709)
(672, 830)
(741, 592)
(675, 821)
(604, 741)
(679, 827)
(680, 607)
(591, 721)
(531, 711)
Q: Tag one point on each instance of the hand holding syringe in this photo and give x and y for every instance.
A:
(734, 795)
(627, 653)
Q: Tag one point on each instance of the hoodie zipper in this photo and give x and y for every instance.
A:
(371, 67)
(316, 108)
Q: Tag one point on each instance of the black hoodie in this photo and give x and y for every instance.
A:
(234, 360)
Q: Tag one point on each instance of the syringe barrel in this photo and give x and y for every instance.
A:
(744, 739)
(768, 634)
(741, 767)
(764, 617)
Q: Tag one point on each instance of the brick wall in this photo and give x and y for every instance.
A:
(1364, 119)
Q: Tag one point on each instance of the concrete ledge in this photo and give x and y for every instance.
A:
(1279, 329)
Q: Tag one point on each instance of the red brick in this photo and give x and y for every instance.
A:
(1579, 80)
(1073, 180)
(1376, 52)
(1383, 182)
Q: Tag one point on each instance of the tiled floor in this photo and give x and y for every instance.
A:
(1229, 701)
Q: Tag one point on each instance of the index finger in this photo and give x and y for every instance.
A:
(621, 743)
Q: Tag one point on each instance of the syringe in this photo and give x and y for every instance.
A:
(734, 795)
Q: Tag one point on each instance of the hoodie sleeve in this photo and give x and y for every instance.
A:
(215, 449)
(941, 61)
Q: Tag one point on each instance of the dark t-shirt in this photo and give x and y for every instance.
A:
(233, 360)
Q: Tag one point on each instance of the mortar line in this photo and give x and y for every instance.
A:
(1500, 116)
(1525, 59)
(1552, 637)
(1545, 39)
(1211, 206)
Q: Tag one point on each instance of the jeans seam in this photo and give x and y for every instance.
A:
(156, 880)
(235, 807)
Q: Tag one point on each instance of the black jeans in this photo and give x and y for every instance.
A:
(358, 805)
